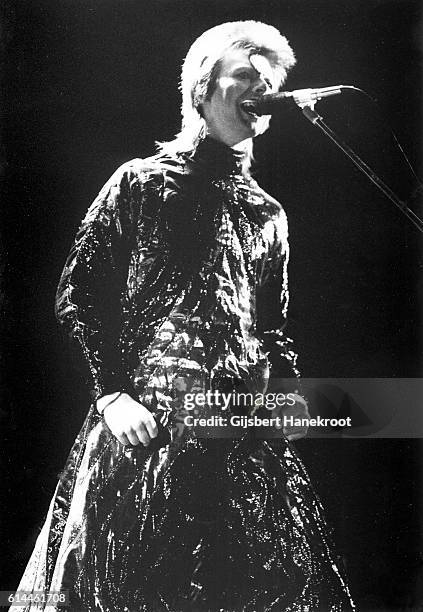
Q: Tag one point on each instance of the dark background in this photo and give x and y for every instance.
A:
(90, 84)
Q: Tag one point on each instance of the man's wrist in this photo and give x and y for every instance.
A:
(106, 400)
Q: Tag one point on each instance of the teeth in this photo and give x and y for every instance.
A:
(248, 107)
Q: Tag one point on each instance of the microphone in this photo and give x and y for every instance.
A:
(269, 103)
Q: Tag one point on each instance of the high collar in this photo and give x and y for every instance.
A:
(217, 158)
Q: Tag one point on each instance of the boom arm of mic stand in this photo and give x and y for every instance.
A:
(317, 120)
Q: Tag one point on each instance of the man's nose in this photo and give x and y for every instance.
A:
(261, 86)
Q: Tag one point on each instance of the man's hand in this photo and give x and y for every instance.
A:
(298, 411)
(129, 421)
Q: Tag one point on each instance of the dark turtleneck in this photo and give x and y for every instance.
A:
(216, 158)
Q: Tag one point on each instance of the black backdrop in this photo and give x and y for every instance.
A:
(90, 84)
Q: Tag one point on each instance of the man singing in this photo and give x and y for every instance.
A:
(176, 283)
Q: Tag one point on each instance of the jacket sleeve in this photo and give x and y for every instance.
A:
(272, 303)
(89, 296)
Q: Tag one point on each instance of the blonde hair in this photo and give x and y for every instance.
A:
(202, 65)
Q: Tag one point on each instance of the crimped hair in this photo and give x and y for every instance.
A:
(202, 65)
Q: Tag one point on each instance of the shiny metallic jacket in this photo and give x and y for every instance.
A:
(177, 283)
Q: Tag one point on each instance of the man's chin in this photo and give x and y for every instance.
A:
(254, 129)
(247, 119)
(252, 124)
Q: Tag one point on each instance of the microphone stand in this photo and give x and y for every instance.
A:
(308, 111)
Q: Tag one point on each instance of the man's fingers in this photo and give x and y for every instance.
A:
(130, 422)
(296, 436)
(151, 427)
(132, 437)
(295, 433)
(122, 437)
(142, 435)
(301, 406)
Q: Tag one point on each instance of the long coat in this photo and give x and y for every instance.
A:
(177, 284)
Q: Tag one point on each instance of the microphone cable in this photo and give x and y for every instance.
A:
(385, 121)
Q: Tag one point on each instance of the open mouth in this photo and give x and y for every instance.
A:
(248, 107)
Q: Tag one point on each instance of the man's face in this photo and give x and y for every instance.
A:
(242, 77)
